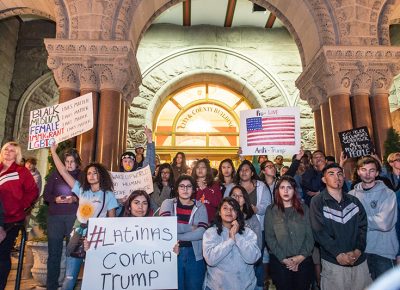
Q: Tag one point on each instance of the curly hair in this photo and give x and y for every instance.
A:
(239, 214)
(247, 209)
(105, 180)
(134, 194)
(209, 174)
(220, 175)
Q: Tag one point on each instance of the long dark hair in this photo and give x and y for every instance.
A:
(105, 180)
(209, 175)
(158, 179)
(134, 194)
(296, 203)
(184, 165)
(236, 207)
(252, 168)
(247, 209)
(220, 175)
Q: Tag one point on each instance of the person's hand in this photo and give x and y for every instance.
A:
(66, 199)
(53, 148)
(300, 154)
(239, 153)
(354, 255)
(255, 209)
(398, 260)
(176, 248)
(86, 244)
(149, 134)
(343, 159)
(234, 229)
(3, 234)
(312, 193)
(122, 200)
(344, 259)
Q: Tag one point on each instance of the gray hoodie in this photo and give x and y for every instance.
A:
(381, 208)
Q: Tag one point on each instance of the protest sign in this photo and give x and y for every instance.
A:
(356, 142)
(270, 131)
(126, 182)
(60, 122)
(131, 253)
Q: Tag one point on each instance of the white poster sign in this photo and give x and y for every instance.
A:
(60, 122)
(131, 253)
(126, 182)
(270, 131)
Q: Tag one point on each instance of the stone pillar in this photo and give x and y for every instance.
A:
(340, 110)
(108, 125)
(86, 142)
(361, 112)
(327, 129)
(381, 120)
(319, 134)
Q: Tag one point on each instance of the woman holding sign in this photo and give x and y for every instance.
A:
(192, 222)
(63, 205)
(96, 199)
(230, 249)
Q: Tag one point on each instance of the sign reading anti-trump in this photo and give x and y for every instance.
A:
(131, 253)
(270, 131)
(60, 122)
(356, 142)
(126, 182)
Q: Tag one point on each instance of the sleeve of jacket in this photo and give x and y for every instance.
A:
(150, 158)
(310, 181)
(319, 229)
(214, 250)
(386, 217)
(247, 245)
(49, 189)
(31, 191)
(362, 227)
(293, 168)
(270, 237)
(1, 215)
(265, 199)
(201, 221)
(308, 244)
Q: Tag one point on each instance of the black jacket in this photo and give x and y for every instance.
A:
(338, 227)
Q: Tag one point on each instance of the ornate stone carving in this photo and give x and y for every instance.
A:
(94, 65)
(6, 13)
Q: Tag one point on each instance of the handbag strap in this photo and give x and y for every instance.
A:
(104, 201)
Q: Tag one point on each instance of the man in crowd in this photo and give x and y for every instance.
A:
(381, 207)
(339, 225)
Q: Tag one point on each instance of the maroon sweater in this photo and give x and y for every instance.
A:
(211, 196)
(18, 191)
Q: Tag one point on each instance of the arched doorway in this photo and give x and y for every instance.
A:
(201, 120)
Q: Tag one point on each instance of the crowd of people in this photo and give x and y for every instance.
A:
(299, 226)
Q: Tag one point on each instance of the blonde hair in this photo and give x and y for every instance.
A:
(18, 150)
(392, 156)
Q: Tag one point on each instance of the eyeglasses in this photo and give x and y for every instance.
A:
(185, 187)
(396, 160)
(269, 166)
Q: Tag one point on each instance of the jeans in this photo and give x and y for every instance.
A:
(284, 279)
(5, 251)
(58, 226)
(378, 265)
(73, 266)
(191, 273)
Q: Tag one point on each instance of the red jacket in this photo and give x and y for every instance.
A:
(18, 191)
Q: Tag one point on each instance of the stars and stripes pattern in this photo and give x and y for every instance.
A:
(267, 131)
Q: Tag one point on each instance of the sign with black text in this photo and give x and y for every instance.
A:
(131, 253)
(126, 182)
(356, 142)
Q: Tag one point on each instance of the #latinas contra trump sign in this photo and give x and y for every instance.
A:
(270, 131)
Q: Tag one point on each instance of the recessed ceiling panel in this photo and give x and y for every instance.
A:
(211, 12)
(174, 15)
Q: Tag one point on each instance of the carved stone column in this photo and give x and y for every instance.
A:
(108, 67)
(319, 129)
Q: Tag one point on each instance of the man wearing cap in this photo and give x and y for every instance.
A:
(381, 207)
(339, 225)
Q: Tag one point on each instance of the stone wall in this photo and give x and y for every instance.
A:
(9, 36)
(30, 64)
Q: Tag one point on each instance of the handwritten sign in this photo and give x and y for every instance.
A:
(60, 122)
(126, 182)
(131, 253)
(356, 142)
(270, 131)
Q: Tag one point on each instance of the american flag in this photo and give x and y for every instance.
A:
(264, 131)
